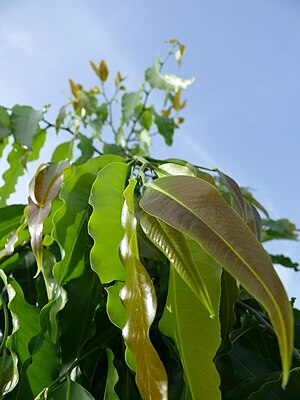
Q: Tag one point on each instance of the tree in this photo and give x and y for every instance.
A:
(129, 277)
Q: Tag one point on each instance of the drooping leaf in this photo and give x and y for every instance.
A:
(166, 127)
(197, 336)
(112, 378)
(196, 208)
(105, 222)
(69, 229)
(6, 371)
(115, 310)
(174, 245)
(138, 296)
(43, 188)
(24, 123)
(70, 390)
(129, 103)
(249, 196)
(235, 191)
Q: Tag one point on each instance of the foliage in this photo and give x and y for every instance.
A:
(127, 277)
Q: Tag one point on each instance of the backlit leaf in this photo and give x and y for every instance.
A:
(105, 222)
(174, 245)
(197, 336)
(139, 299)
(103, 71)
(64, 151)
(5, 124)
(196, 208)
(43, 188)
(24, 123)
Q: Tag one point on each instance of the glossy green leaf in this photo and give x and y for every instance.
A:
(69, 391)
(17, 161)
(115, 310)
(197, 336)
(139, 299)
(43, 188)
(64, 151)
(24, 122)
(70, 230)
(105, 222)
(196, 208)
(112, 378)
(175, 247)
(173, 169)
(129, 103)
(166, 127)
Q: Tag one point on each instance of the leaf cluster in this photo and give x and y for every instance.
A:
(127, 277)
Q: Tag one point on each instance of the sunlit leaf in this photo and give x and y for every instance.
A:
(174, 245)
(155, 78)
(24, 123)
(138, 296)
(86, 147)
(197, 336)
(43, 188)
(6, 371)
(16, 168)
(129, 103)
(178, 83)
(115, 310)
(105, 222)
(64, 151)
(196, 208)
(70, 220)
(95, 68)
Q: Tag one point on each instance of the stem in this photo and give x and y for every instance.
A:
(6, 324)
(109, 103)
(64, 128)
(266, 325)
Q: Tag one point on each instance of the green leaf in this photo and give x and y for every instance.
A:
(165, 82)
(112, 378)
(3, 144)
(193, 206)
(139, 299)
(24, 122)
(5, 124)
(16, 168)
(115, 310)
(84, 294)
(37, 143)
(64, 151)
(6, 371)
(10, 217)
(69, 229)
(86, 147)
(103, 71)
(129, 103)
(105, 222)
(175, 247)
(197, 336)
(70, 391)
(43, 188)
(166, 127)
(146, 119)
(279, 229)
(284, 261)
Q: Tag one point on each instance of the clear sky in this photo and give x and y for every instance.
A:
(243, 112)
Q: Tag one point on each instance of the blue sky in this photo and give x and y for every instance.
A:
(243, 112)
